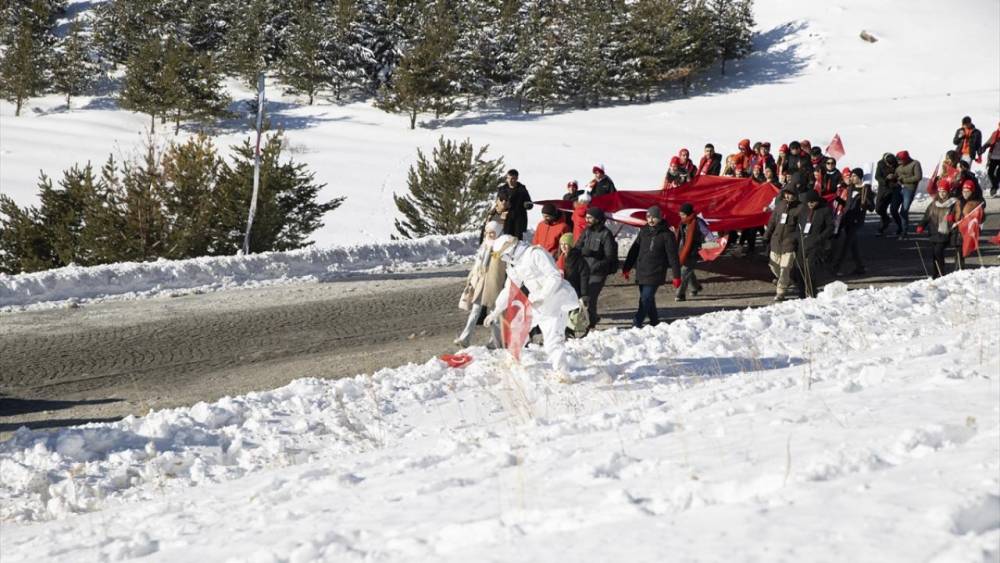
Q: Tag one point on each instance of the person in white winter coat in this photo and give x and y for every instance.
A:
(551, 296)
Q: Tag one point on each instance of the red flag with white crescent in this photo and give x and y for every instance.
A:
(970, 226)
(709, 254)
(517, 321)
(836, 148)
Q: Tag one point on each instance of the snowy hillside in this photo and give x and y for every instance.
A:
(859, 426)
(811, 77)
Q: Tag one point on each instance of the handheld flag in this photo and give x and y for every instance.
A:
(970, 226)
(709, 254)
(836, 148)
(516, 321)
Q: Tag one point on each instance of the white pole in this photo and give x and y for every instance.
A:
(256, 162)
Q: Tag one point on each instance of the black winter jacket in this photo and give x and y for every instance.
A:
(819, 224)
(886, 185)
(520, 202)
(604, 187)
(801, 170)
(783, 228)
(975, 141)
(654, 250)
(859, 201)
(599, 250)
(576, 271)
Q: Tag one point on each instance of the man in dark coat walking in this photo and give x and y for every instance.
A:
(968, 140)
(519, 201)
(654, 250)
(600, 251)
(889, 197)
(815, 230)
(857, 201)
(782, 234)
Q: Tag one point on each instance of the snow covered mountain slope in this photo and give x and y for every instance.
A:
(812, 76)
(861, 426)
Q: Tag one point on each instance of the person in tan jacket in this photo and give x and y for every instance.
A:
(485, 281)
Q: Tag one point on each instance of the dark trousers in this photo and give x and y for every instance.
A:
(806, 272)
(647, 306)
(688, 279)
(937, 253)
(993, 173)
(889, 206)
(847, 242)
(593, 292)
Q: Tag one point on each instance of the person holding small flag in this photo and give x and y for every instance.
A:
(550, 297)
(971, 214)
(939, 220)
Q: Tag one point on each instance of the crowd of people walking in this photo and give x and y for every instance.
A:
(812, 233)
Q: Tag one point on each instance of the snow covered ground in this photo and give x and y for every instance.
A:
(860, 426)
(135, 280)
(811, 77)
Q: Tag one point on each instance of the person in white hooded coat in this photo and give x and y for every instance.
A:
(551, 296)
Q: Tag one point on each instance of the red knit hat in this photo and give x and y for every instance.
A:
(903, 156)
(943, 184)
(845, 172)
(968, 185)
(783, 148)
(674, 161)
(744, 143)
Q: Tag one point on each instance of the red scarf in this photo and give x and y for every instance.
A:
(688, 237)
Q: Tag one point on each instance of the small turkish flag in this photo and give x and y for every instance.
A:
(516, 321)
(709, 254)
(970, 226)
(836, 148)
(996, 239)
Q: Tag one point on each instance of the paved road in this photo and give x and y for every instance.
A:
(104, 361)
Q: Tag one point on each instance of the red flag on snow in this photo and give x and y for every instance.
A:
(709, 254)
(517, 321)
(836, 148)
(970, 227)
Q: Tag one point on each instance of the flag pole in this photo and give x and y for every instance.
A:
(256, 162)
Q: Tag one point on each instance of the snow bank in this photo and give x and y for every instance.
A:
(147, 279)
(860, 426)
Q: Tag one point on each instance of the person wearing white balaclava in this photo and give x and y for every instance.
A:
(551, 297)
(486, 279)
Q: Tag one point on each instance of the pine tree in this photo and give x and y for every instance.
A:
(734, 25)
(140, 192)
(190, 173)
(75, 72)
(287, 207)
(23, 246)
(349, 48)
(425, 81)
(26, 45)
(123, 27)
(449, 193)
(538, 85)
(305, 68)
(142, 90)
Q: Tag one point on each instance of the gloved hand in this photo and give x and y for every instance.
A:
(528, 205)
(626, 274)
(491, 319)
(950, 218)
(920, 229)
(676, 282)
